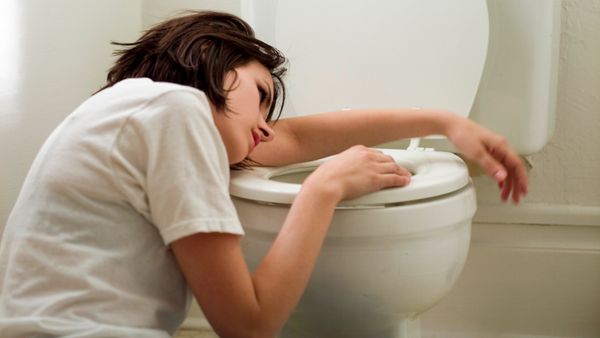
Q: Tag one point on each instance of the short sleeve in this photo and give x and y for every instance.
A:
(171, 164)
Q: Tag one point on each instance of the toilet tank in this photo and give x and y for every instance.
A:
(516, 71)
(517, 93)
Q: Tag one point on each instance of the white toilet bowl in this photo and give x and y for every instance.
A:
(388, 257)
(393, 254)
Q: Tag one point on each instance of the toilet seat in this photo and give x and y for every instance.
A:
(434, 174)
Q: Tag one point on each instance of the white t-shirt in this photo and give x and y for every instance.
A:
(85, 251)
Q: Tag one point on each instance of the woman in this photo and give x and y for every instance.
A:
(127, 202)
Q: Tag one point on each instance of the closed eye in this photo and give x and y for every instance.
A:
(266, 99)
(263, 94)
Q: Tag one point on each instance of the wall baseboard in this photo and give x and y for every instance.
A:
(538, 214)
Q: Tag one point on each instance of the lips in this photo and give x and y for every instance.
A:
(256, 138)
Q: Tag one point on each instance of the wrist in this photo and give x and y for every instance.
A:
(322, 190)
(444, 122)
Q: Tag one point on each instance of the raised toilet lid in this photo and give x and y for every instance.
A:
(376, 54)
(434, 174)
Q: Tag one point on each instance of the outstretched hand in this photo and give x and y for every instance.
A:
(493, 154)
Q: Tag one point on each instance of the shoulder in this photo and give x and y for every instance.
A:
(153, 92)
(157, 103)
(167, 119)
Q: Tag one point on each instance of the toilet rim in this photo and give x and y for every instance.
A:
(434, 174)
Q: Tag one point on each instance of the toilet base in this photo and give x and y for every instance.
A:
(408, 328)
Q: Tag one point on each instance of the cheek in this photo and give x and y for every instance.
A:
(238, 140)
(235, 146)
(228, 128)
(242, 98)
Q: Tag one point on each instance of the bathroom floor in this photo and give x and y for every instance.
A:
(187, 333)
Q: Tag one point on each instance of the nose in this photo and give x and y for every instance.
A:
(266, 133)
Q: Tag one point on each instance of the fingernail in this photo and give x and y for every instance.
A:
(500, 175)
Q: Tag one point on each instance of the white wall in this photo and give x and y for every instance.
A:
(53, 55)
(157, 10)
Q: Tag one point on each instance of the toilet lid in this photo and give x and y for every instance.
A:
(376, 54)
(434, 174)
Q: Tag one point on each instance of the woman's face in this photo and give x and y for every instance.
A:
(248, 100)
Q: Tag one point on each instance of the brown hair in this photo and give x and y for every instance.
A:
(197, 50)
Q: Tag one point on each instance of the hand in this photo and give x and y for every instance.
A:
(358, 171)
(492, 153)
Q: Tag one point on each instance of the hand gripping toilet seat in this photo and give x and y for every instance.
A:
(434, 174)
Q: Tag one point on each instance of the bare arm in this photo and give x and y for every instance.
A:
(305, 138)
(315, 136)
(240, 304)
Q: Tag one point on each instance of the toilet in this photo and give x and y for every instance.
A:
(388, 256)
(391, 255)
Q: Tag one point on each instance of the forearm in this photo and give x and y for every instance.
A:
(283, 274)
(280, 279)
(240, 304)
(315, 136)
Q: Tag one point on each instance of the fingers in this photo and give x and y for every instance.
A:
(491, 166)
(516, 181)
(506, 188)
(387, 164)
(394, 180)
(507, 168)
(394, 175)
(390, 173)
(387, 172)
(493, 154)
(516, 167)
